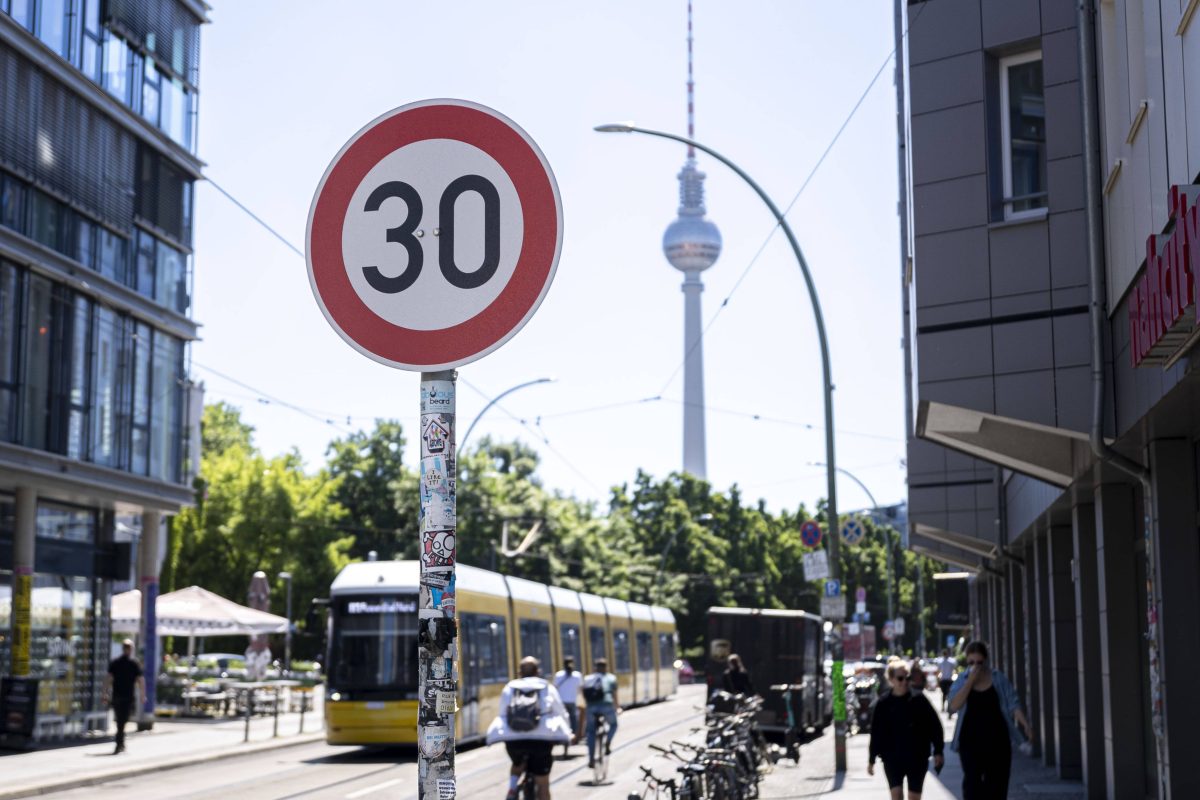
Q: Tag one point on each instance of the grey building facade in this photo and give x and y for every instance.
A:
(98, 109)
(1050, 156)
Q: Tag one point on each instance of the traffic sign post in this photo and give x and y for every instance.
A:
(432, 239)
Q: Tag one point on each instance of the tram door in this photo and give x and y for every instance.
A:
(472, 679)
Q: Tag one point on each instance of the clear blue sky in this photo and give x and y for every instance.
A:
(285, 84)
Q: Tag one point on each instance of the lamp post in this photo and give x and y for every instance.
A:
(839, 712)
(463, 442)
(891, 569)
(287, 636)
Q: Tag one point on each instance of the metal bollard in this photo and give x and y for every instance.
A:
(276, 731)
(303, 707)
(249, 703)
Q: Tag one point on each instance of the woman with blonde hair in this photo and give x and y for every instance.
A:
(904, 728)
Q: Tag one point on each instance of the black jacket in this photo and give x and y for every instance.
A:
(737, 682)
(904, 728)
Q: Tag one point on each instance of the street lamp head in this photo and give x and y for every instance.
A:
(614, 127)
(285, 576)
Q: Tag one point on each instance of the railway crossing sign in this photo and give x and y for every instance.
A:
(853, 531)
(434, 235)
(810, 533)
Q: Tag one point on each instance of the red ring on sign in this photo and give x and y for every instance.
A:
(475, 336)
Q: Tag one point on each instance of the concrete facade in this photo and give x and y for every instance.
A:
(1004, 476)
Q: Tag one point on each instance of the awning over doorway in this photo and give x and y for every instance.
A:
(1054, 455)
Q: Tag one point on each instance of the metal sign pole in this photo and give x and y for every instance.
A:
(437, 675)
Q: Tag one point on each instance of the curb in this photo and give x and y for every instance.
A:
(46, 787)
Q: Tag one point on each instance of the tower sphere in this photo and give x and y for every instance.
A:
(692, 243)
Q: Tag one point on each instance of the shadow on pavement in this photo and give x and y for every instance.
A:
(369, 755)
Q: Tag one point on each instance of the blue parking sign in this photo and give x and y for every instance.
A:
(833, 588)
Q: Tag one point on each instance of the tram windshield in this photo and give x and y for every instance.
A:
(374, 642)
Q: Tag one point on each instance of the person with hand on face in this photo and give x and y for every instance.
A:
(904, 728)
(989, 713)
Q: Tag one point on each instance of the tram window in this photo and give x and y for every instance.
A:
(375, 644)
(535, 641)
(489, 637)
(621, 650)
(596, 637)
(666, 651)
(572, 645)
(645, 656)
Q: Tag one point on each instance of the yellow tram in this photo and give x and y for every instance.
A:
(371, 691)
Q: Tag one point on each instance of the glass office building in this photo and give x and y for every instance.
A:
(98, 110)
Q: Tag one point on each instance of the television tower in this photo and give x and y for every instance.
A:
(692, 244)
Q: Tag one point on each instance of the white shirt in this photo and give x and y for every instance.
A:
(553, 726)
(946, 665)
(568, 685)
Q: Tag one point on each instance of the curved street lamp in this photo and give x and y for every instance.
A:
(463, 442)
(839, 726)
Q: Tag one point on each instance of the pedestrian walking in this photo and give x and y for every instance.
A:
(989, 713)
(945, 666)
(904, 729)
(123, 678)
(736, 679)
(567, 681)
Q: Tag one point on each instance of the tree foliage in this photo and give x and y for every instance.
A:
(673, 541)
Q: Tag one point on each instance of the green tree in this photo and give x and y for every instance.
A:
(379, 493)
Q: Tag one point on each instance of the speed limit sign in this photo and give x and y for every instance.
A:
(434, 235)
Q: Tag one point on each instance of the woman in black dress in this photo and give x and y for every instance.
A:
(988, 715)
(904, 728)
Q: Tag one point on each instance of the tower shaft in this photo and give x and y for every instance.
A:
(695, 457)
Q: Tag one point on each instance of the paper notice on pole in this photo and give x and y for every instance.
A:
(833, 608)
(445, 788)
(852, 629)
(860, 607)
(816, 566)
(898, 625)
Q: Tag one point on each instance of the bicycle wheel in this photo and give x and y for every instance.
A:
(528, 788)
(600, 756)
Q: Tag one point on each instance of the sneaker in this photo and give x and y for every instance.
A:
(607, 750)
(591, 763)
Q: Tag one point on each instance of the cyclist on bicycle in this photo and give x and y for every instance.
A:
(600, 692)
(531, 721)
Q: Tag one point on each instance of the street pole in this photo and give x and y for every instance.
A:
(287, 637)
(839, 709)
(887, 540)
(437, 634)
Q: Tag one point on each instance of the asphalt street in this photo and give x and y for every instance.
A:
(321, 771)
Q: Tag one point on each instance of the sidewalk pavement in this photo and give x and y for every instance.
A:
(815, 776)
(172, 743)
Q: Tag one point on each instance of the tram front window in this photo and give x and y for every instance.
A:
(375, 643)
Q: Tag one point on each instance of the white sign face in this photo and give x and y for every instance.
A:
(860, 607)
(833, 608)
(449, 269)
(816, 566)
(852, 629)
(898, 625)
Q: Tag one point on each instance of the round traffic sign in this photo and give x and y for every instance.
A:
(853, 531)
(434, 235)
(810, 533)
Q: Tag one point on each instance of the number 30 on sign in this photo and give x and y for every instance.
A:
(434, 235)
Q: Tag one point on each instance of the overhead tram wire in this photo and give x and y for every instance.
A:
(299, 409)
(774, 228)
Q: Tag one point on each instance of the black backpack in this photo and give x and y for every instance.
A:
(593, 688)
(525, 710)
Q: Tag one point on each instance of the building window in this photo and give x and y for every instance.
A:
(22, 12)
(166, 408)
(139, 461)
(622, 661)
(66, 523)
(79, 378)
(39, 332)
(107, 372)
(53, 26)
(10, 327)
(1023, 135)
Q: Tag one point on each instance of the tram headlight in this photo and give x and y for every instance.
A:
(335, 696)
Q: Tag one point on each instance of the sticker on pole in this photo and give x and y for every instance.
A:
(434, 235)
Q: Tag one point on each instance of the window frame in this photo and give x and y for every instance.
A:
(1006, 190)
